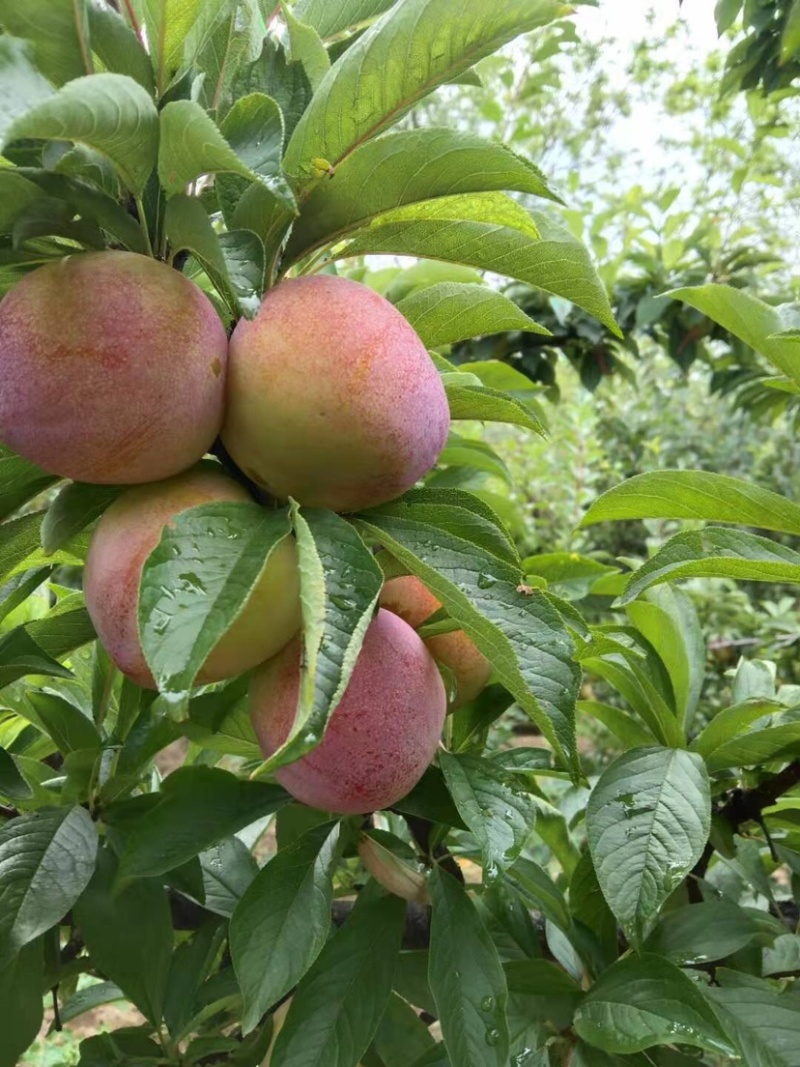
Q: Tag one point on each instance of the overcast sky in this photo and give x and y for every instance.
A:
(628, 19)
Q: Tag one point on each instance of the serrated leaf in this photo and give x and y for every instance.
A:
(644, 1001)
(756, 748)
(46, 860)
(195, 808)
(747, 318)
(177, 31)
(479, 230)
(58, 31)
(451, 312)
(466, 978)
(67, 627)
(69, 728)
(489, 405)
(667, 618)
(226, 870)
(188, 228)
(374, 71)
(118, 46)
(540, 891)
(12, 785)
(306, 48)
(128, 933)
(243, 253)
(109, 112)
(20, 480)
(499, 814)
(648, 821)
(339, 586)
(20, 655)
(76, 507)
(192, 144)
(405, 168)
(271, 73)
(764, 1022)
(284, 917)
(19, 539)
(332, 17)
(339, 1003)
(702, 932)
(21, 984)
(198, 579)
(631, 733)
(716, 552)
(522, 635)
(465, 452)
(678, 494)
(730, 722)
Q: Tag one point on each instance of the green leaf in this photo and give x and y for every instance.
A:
(644, 1001)
(188, 228)
(254, 130)
(89, 998)
(227, 869)
(730, 722)
(192, 144)
(284, 917)
(340, 582)
(540, 891)
(331, 17)
(466, 452)
(451, 312)
(178, 30)
(667, 618)
(12, 785)
(272, 74)
(755, 748)
(782, 956)
(109, 112)
(69, 728)
(466, 978)
(489, 405)
(195, 808)
(22, 86)
(716, 552)
(76, 507)
(243, 253)
(67, 627)
(20, 480)
(128, 932)
(191, 963)
(46, 860)
(406, 168)
(198, 579)
(339, 1003)
(306, 48)
(58, 31)
(701, 932)
(550, 994)
(522, 635)
(499, 814)
(118, 46)
(93, 204)
(764, 1022)
(373, 72)
(480, 230)
(19, 538)
(748, 318)
(619, 722)
(21, 985)
(20, 655)
(695, 495)
(648, 821)
(726, 13)
(402, 1037)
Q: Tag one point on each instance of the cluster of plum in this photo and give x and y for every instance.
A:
(116, 370)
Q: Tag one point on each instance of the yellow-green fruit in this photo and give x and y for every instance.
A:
(112, 369)
(332, 398)
(409, 598)
(126, 535)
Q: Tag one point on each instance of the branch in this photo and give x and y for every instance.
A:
(743, 806)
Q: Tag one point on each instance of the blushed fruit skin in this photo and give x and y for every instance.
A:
(381, 737)
(112, 368)
(332, 398)
(411, 599)
(126, 535)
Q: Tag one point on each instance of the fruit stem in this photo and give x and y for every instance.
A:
(143, 224)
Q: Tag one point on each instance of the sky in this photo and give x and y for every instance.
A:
(628, 19)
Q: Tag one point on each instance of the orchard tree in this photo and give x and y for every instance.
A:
(230, 518)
